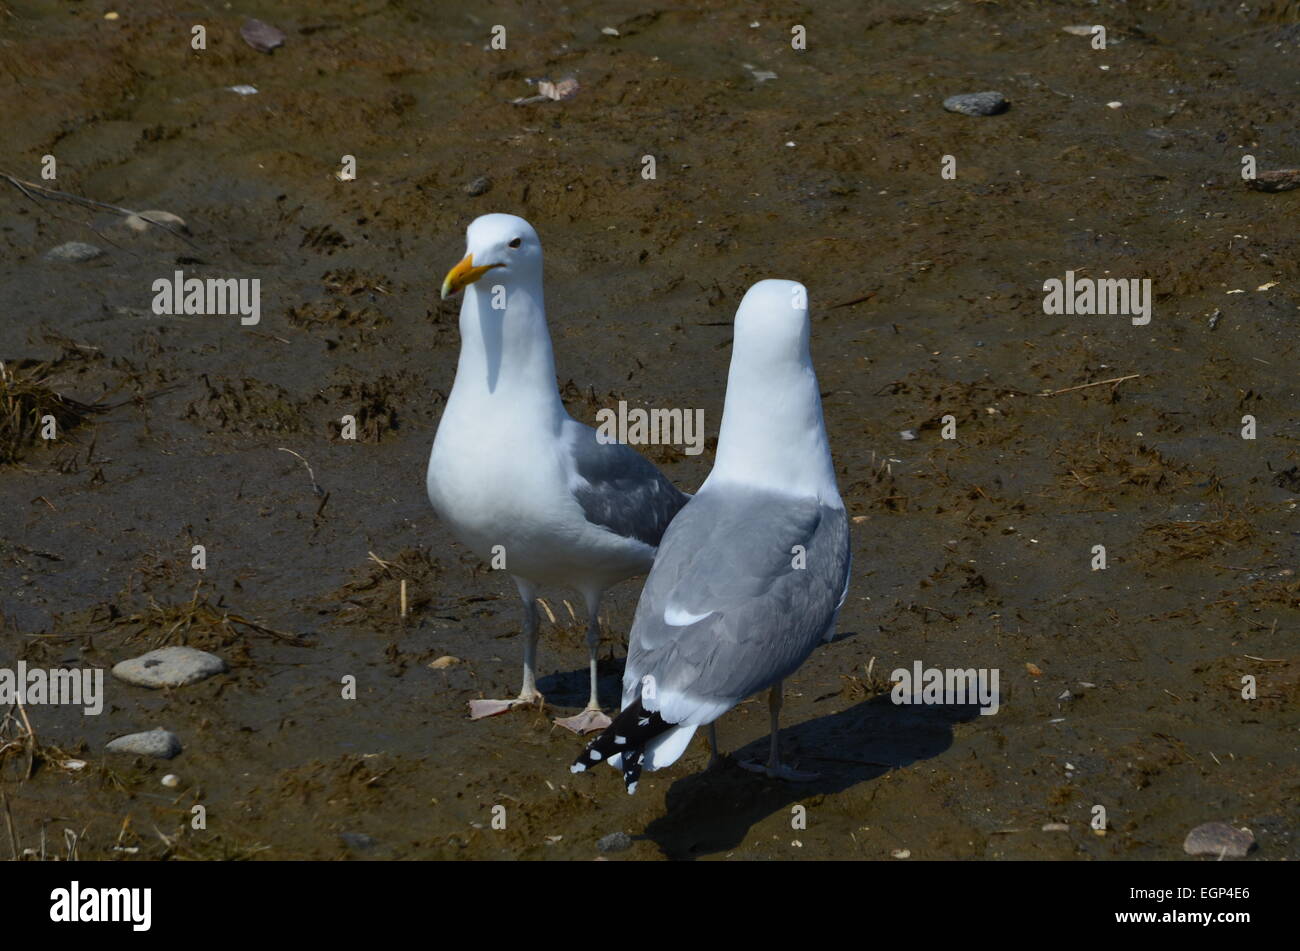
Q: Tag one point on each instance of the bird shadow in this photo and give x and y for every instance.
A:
(712, 811)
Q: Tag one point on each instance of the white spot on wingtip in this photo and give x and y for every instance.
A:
(595, 754)
(631, 789)
(620, 740)
(577, 768)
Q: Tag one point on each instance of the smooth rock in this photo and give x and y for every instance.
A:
(158, 742)
(261, 36)
(169, 667)
(908, 434)
(138, 224)
(480, 186)
(358, 841)
(976, 103)
(1220, 840)
(73, 252)
(614, 842)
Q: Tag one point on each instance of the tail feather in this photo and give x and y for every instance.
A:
(625, 738)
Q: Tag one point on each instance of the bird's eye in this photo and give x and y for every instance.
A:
(516, 243)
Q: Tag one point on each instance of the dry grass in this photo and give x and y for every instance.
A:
(1109, 466)
(872, 683)
(1197, 540)
(199, 623)
(374, 595)
(27, 396)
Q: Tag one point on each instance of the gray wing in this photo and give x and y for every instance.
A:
(618, 488)
(730, 556)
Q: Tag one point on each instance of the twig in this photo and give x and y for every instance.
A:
(9, 821)
(316, 489)
(31, 739)
(1084, 386)
(56, 195)
(854, 300)
(386, 565)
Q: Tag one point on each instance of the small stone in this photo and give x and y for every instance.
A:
(169, 667)
(358, 841)
(609, 31)
(1279, 181)
(1220, 840)
(138, 224)
(159, 743)
(244, 89)
(1115, 105)
(909, 434)
(445, 661)
(1078, 30)
(901, 853)
(261, 36)
(1056, 827)
(480, 186)
(977, 103)
(73, 252)
(171, 780)
(614, 842)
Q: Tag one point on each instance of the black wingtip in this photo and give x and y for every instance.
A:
(627, 736)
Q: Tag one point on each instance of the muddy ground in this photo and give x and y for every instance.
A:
(1121, 687)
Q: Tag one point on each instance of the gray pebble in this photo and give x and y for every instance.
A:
(480, 186)
(169, 667)
(358, 841)
(157, 742)
(74, 252)
(614, 842)
(261, 36)
(909, 434)
(1220, 840)
(976, 103)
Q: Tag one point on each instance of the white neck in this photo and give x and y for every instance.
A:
(505, 355)
(773, 435)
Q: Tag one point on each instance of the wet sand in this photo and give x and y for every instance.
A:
(926, 296)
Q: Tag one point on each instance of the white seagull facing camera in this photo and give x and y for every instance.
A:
(752, 572)
(514, 476)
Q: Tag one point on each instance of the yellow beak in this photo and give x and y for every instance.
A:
(462, 275)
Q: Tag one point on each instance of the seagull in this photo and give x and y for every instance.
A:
(752, 572)
(518, 481)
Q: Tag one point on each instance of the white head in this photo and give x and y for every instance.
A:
(507, 245)
(772, 431)
(772, 328)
